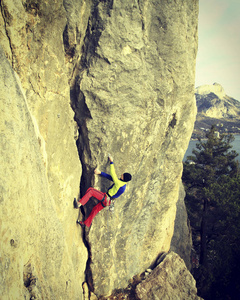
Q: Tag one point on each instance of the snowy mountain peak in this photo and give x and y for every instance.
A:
(215, 88)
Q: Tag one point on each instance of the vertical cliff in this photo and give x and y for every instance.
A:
(136, 93)
(84, 79)
(42, 252)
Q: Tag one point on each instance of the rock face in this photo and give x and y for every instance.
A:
(182, 237)
(124, 71)
(169, 280)
(41, 252)
(137, 98)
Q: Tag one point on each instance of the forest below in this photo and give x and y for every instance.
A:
(211, 178)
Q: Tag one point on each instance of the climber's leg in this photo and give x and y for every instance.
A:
(91, 192)
(97, 208)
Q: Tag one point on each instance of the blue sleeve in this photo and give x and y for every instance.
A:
(109, 177)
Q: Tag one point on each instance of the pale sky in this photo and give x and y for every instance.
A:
(218, 58)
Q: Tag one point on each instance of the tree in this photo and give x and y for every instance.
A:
(210, 176)
(226, 248)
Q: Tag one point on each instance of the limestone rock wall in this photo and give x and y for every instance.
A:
(181, 242)
(32, 38)
(169, 280)
(42, 252)
(124, 71)
(136, 91)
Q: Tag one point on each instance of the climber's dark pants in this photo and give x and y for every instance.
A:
(100, 196)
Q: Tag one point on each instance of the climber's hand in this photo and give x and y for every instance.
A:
(97, 172)
(110, 158)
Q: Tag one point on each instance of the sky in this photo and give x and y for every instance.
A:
(218, 58)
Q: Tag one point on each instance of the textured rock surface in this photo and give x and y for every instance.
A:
(41, 170)
(182, 237)
(169, 280)
(41, 253)
(34, 31)
(127, 68)
(136, 100)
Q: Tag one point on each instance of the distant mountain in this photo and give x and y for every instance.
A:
(215, 107)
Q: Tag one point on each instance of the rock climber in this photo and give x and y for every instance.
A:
(113, 192)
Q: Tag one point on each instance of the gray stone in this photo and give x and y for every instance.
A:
(169, 280)
(124, 70)
(182, 238)
(40, 168)
(136, 94)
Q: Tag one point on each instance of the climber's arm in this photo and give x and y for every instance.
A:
(113, 173)
(113, 176)
(109, 177)
(103, 174)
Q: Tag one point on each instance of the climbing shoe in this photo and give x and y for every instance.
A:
(80, 223)
(75, 203)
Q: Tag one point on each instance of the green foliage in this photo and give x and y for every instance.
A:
(212, 183)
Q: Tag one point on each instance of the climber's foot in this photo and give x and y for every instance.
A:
(81, 223)
(76, 204)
